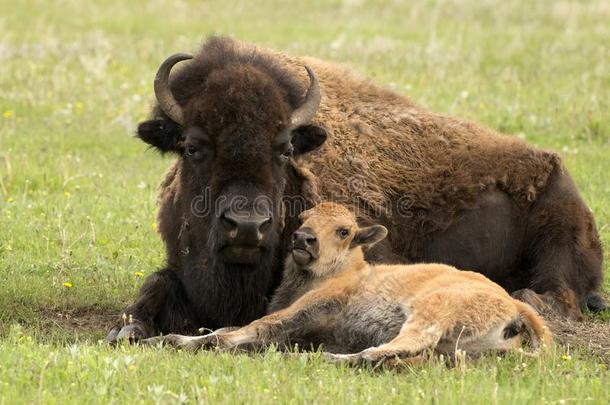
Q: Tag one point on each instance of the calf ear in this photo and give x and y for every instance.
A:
(161, 133)
(369, 236)
(307, 138)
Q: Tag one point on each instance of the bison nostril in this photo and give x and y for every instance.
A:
(311, 240)
(228, 223)
(264, 227)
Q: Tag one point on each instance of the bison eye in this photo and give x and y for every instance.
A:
(343, 233)
(192, 152)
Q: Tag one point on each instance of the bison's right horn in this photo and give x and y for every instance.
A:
(164, 95)
(305, 113)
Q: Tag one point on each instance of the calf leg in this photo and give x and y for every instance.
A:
(279, 327)
(162, 306)
(445, 323)
(415, 336)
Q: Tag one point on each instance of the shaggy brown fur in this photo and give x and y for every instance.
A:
(379, 311)
(449, 191)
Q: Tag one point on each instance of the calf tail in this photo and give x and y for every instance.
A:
(539, 332)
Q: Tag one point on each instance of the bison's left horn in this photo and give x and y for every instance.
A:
(164, 95)
(305, 113)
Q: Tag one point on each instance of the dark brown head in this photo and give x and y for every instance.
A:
(235, 119)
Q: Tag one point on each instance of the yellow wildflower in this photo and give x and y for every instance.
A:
(566, 357)
(10, 200)
(139, 274)
(68, 284)
(8, 114)
(153, 226)
(67, 193)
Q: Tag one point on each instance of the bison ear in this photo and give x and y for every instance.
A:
(160, 133)
(307, 138)
(369, 236)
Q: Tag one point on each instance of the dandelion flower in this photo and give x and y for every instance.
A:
(566, 357)
(153, 226)
(68, 284)
(139, 274)
(8, 114)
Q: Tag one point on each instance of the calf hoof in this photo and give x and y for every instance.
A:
(349, 359)
(188, 343)
(226, 329)
(373, 359)
(171, 340)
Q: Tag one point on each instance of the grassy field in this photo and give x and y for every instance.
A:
(77, 191)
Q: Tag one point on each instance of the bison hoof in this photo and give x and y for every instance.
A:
(129, 333)
(111, 336)
(596, 303)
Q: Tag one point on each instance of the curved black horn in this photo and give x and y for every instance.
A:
(305, 113)
(164, 95)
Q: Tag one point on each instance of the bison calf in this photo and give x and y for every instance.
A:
(331, 296)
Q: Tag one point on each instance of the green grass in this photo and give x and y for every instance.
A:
(77, 191)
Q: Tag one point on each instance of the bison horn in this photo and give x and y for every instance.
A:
(305, 113)
(164, 95)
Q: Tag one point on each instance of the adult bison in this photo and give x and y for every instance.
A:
(254, 129)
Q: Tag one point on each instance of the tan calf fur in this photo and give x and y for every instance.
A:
(331, 296)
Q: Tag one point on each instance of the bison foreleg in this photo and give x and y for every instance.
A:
(160, 307)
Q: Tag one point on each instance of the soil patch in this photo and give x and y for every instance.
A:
(591, 335)
(85, 321)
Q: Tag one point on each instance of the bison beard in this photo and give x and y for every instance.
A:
(448, 191)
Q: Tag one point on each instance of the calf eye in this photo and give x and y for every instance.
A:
(287, 154)
(343, 233)
(283, 152)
